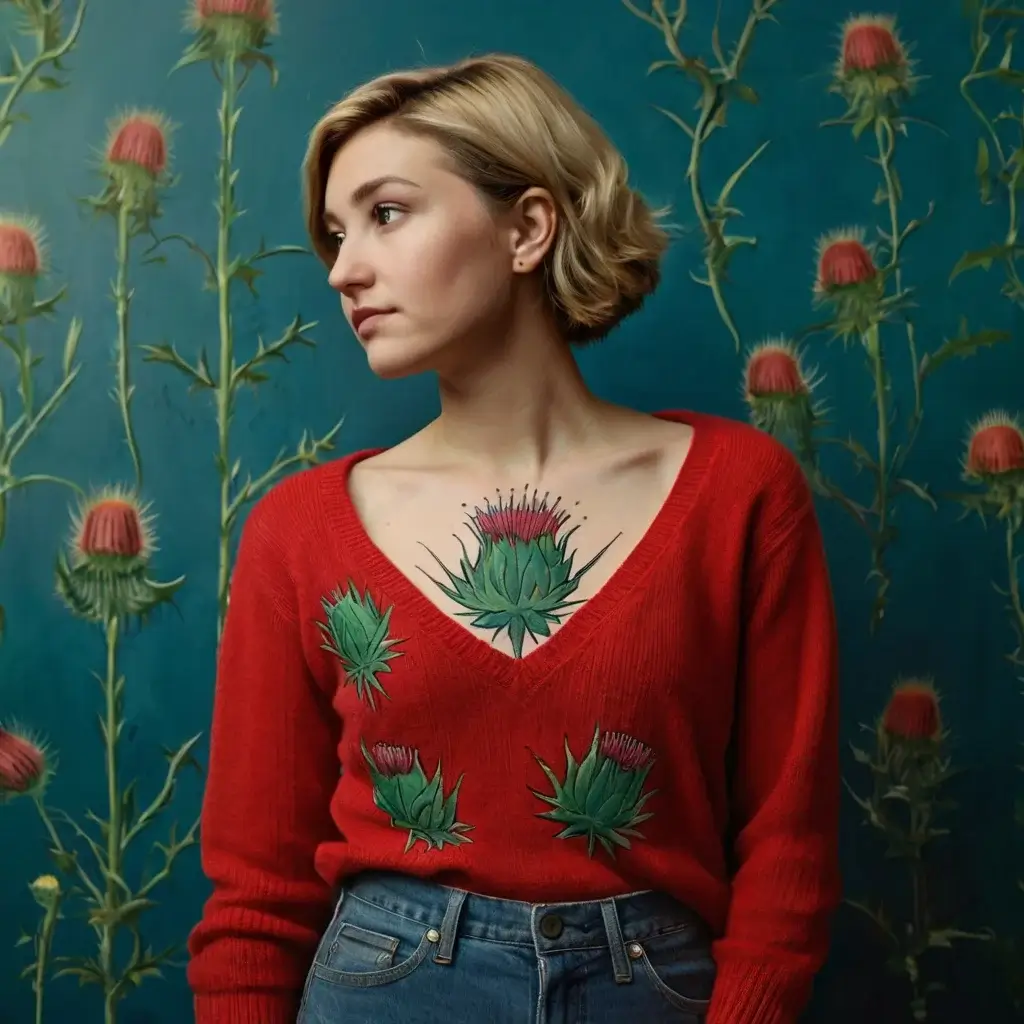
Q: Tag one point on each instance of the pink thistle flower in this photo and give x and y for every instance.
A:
(913, 712)
(23, 764)
(21, 251)
(259, 13)
(870, 43)
(139, 139)
(995, 446)
(113, 525)
(628, 753)
(393, 760)
(519, 522)
(773, 368)
(21, 263)
(844, 261)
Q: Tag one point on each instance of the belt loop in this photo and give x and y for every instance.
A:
(616, 945)
(450, 926)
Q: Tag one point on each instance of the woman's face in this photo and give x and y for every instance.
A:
(420, 245)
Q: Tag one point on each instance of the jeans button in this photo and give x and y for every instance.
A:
(551, 926)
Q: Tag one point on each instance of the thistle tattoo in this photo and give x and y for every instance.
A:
(521, 578)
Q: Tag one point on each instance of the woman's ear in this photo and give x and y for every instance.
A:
(534, 220)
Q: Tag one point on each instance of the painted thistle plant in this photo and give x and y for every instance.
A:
(134, 169)
(232, 36)
(994, 462)
(601, 797)
(23, 257)
(41, 21)
(412, 801)
(909, 769)
(860, 282)
(105, 578)
(999, 164)
(521, 578)
(718, 79)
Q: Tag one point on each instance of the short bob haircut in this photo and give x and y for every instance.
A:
(507, 127)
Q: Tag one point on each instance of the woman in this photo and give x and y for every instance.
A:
(531, 717)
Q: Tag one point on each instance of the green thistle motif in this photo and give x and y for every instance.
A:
(402, 790)
(522, 577)
(601, 796)
(357, 633)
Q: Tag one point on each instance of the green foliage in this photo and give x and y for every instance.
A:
(41, 22)
(233, 49)
(903, 804)
(719, 82)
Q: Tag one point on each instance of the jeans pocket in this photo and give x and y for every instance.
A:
(367, 946)
(682, 974)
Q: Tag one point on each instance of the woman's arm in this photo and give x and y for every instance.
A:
(785, 796)
(273, 770)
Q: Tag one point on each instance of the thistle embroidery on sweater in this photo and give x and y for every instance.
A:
(358, 633)
(402, 790)
(520, 578)
(601, 796)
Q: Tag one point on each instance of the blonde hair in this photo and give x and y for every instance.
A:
(507, 126)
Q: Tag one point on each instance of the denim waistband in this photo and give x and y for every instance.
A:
(547, 927)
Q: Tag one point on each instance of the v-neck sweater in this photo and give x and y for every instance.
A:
(677, 732)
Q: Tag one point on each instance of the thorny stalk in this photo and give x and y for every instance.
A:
(42, 23)
(908, 776)
(232, 63)
(123, 388)
(719, 82)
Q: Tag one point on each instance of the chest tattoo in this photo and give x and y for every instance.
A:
(516, 576)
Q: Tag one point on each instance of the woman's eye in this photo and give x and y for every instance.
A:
(338, 237)
(383, 213)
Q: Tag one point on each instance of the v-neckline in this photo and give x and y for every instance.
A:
(458, 638)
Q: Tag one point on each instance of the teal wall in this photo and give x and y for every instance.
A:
(944, 619)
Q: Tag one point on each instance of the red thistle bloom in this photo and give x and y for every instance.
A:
(870, 44)
(844, 261)
(22, 764)
(913, 712)
(113, 525)
(519, 522)
(774, 369)
(20, 248)
(996, 446)
(259, 12)
(391, 760)
(628, 753)
(139, 139)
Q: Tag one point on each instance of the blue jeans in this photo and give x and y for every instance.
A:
(403, 951)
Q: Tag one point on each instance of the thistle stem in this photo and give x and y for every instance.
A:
(1013, 582)
(112, 729)
(35, 65)
(713, 84)
(225, 383)
(122, 301)
(25, 384)
(46, 931)
(880, 542)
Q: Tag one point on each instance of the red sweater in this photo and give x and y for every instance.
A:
(342, 690)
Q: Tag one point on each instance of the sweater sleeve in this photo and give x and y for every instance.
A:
(786, 787)
(273, 769)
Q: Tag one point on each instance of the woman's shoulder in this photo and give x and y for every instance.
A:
(742, 451)
(305, 496)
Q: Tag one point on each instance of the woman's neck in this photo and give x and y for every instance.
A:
(521, 411)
